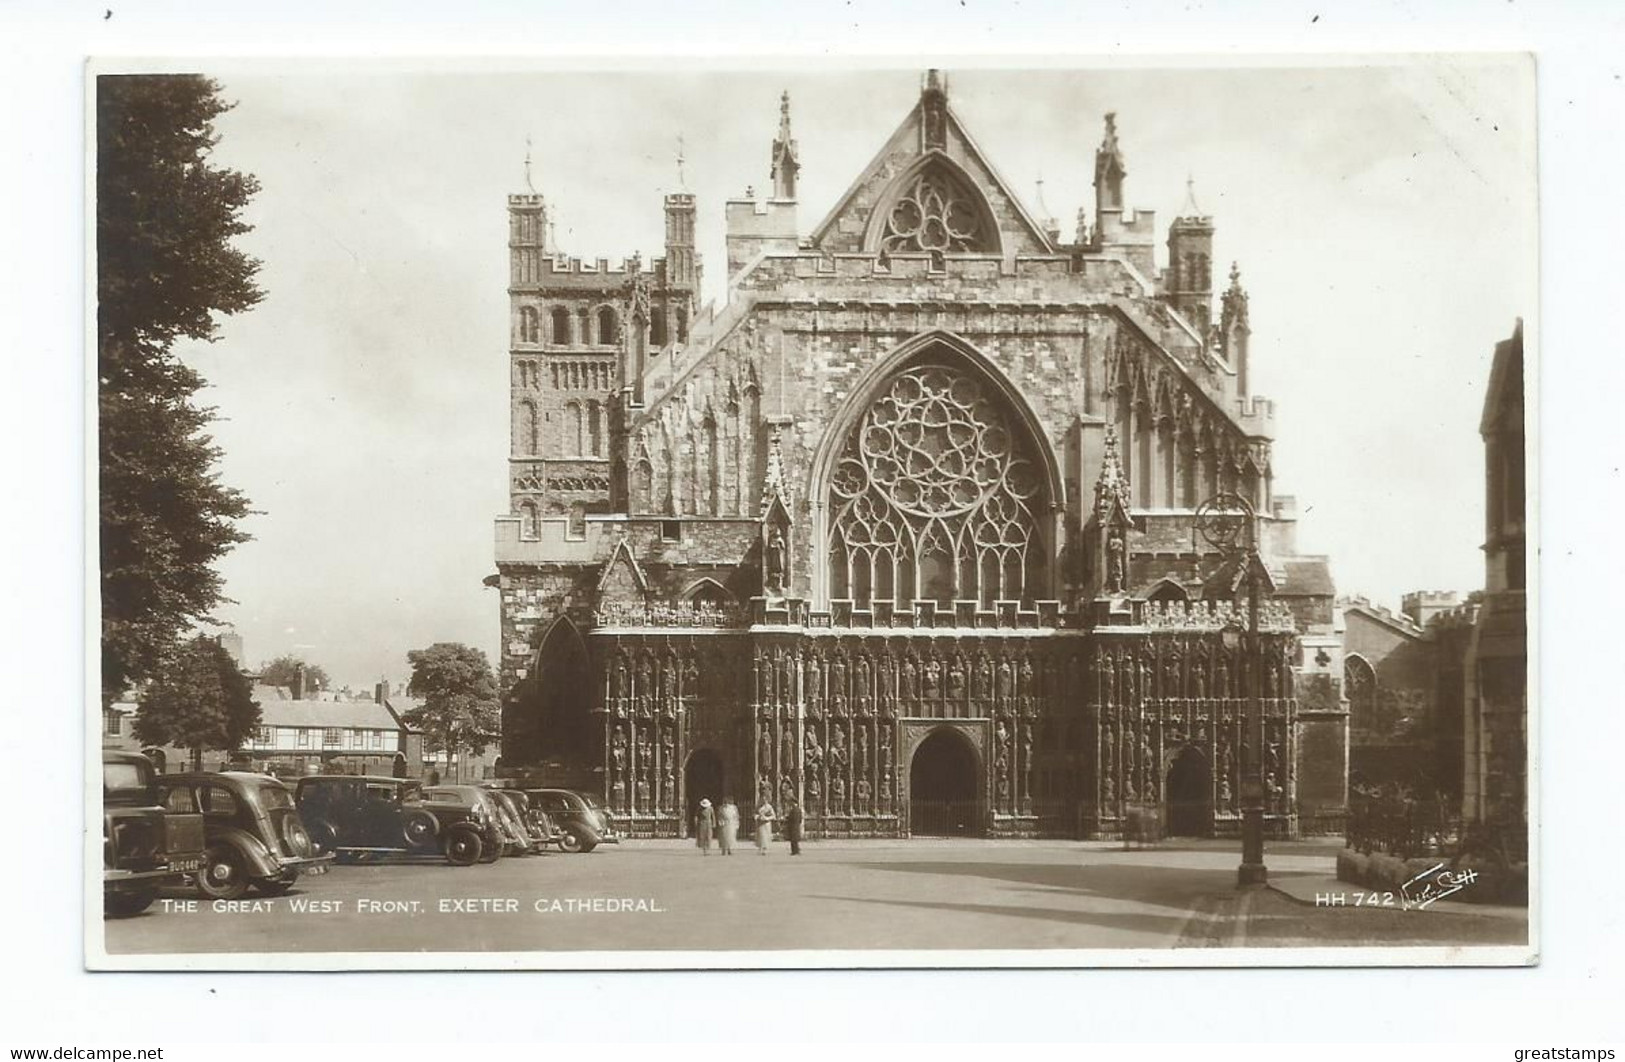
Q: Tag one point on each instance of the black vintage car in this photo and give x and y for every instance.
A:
(143, 849)
(359, 816)
(252, 830)
(582, 824)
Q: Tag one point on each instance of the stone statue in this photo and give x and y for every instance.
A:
(764, 749)
(1116, 570)
(787, 749)
(984, 679)
(1005, 680)
(860, 688)
(908, 680)
(860, 793)
(956, 681)
(777, 574)
(933, 675)
(813, 678)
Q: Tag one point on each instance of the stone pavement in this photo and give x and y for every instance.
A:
(857, 895)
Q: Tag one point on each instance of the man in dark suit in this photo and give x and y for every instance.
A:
(792, 827)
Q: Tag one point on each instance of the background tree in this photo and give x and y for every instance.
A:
(283, 670)
(460, 709)
(165, 268)
(198, 699)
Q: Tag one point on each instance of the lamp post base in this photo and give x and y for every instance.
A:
(1252, 870)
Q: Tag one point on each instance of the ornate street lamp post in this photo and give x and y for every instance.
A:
(1229, 523)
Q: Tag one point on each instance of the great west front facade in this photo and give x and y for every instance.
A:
(903, 530)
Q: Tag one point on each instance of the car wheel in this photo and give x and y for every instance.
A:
(589, 846)
(492, 853)
(128, 902)
(420, 829)
(222, 876)
(323, 838)
(571, 842)
(278, 885)
(463, 848)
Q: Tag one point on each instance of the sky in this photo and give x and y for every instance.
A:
(1383, 216)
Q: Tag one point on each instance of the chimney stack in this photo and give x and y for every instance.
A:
(380, 692)
(299, 682)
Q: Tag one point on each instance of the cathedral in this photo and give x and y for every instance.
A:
(903, 530)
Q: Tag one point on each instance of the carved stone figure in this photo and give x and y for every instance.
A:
(837, 794)
(860, 683)
(933, 677)
(642, 791)
(908, 680)
(764, 749)
(813, 679)
(777, 575)
(984, 679)
(618, 749)
(860, 795)
(787, 749)
(787, 679)
(837, 679)
(837, 748)
(862, 756)
(1006, 680)
(956, 681)
(1116, 571)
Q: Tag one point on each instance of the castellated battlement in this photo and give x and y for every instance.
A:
(552, 543)
(1423, 605)
(553, 265)
(1257, 415)
(1360, 601)
(526, 202)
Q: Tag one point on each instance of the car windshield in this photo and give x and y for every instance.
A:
(275, 797)
(443, 796)
(124, 776)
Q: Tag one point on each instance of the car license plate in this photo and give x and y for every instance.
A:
(188, 865)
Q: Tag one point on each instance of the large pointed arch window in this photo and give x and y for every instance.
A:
(936, 213)
(936, 497)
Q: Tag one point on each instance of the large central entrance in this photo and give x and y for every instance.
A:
(1189, 790)
(944, 797)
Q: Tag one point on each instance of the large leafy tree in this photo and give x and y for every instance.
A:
(460, 709)
(283, 670)
(166, 269)
(198, 699)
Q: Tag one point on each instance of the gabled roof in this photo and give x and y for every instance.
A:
(897, 159)
(366, 715)
(621, 558)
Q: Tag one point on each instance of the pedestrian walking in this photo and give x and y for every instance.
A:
(705, 826)
(764, 826)
(792, 827)
(727, 825)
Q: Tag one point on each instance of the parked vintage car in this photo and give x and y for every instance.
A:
(470, 802)
(542, 830)
(360, 816)
(520, 841)
(252, 832)
(143, 849)
(582, 824)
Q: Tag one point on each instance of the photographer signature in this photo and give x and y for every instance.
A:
(1433, 884)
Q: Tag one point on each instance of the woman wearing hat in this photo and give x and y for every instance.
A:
(705, 826)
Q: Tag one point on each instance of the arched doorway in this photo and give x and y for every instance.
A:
(559, 726)
(1190, 795)
(703, 778)
(944, 790)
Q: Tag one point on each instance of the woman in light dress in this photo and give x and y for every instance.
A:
(705, 827)
(764, 827)
(728, 825)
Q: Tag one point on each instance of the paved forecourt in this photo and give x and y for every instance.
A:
(661, 895)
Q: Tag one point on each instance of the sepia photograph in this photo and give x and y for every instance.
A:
(790, 513)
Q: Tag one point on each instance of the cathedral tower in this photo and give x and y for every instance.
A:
(1190, 263)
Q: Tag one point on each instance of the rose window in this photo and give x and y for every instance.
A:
(934, 215)
(934, 498)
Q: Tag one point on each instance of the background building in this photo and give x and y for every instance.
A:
(904, 530)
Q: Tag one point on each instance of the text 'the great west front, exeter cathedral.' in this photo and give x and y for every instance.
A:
(903, 530)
